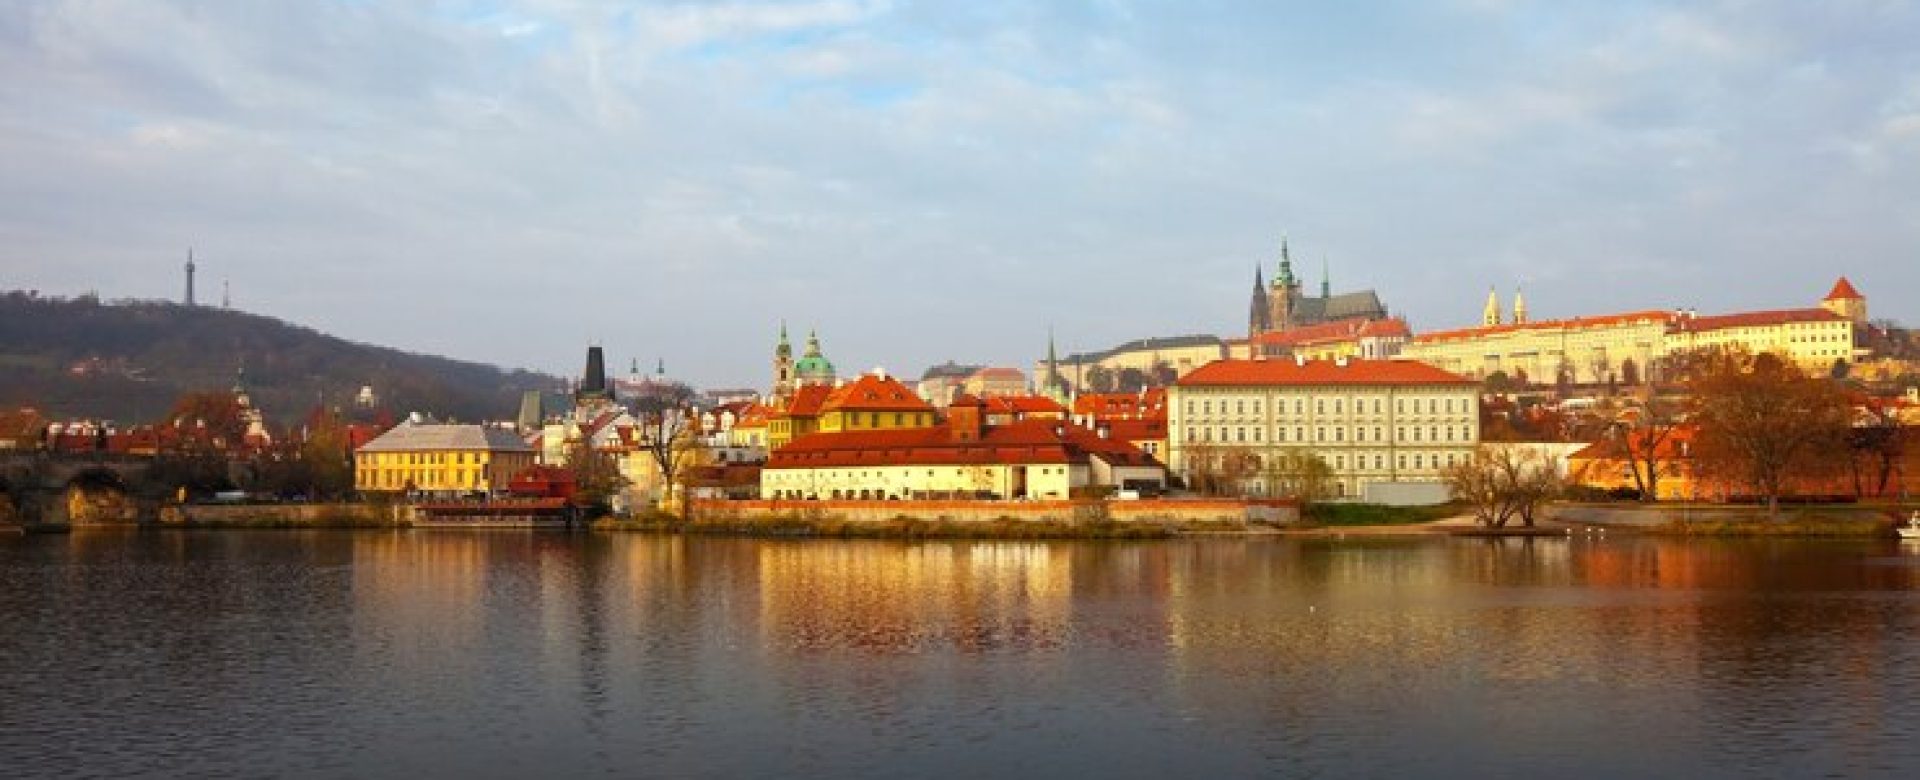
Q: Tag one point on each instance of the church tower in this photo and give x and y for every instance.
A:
(782, 368)
(1259, 317)
(1286, 288)
(1490, 316)
(1519, 307)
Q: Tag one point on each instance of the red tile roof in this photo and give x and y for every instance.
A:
(806, 401)
(1030, 441)
(1024, 404)
(1751, 319)
(1575, 323)
(1108, 406)
(874, 393)
(1319, 372)
(1843, 290)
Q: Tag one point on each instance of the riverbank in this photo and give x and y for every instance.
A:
(802, 526)
(1733, 521)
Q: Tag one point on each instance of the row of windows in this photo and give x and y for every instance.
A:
(395, 479)
(1242, 434)
(1416, 461)
(1243, 406)
(818, 476)
(421, 458)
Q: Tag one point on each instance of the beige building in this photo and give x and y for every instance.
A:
(1178, 354)
(441, 459)
(1374, 422)
(1627, 346)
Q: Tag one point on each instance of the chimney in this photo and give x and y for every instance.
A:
(1300, 360)
(963, 418)
(1340, 361)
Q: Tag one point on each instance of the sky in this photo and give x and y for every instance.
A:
(508, 181)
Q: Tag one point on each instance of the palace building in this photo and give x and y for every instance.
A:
(1626, 347)
(1377, 424)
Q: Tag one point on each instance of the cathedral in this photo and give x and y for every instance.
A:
(790, 375)
(1284, 306)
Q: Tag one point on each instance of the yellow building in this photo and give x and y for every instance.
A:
(1627, 346)
(1369, 339)
(1377, 424)
(443, 460)
(874, 402)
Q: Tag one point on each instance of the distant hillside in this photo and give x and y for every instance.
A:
(128, 361)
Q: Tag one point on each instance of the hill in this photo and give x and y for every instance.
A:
(128, 361)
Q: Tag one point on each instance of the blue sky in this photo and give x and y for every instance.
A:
(507, 181)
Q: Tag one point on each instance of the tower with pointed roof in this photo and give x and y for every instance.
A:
(1490, 316)
(1326, 280)
(1053, 385)
(1846, 301)
(593, 382)
(1519, 307)
(1259, 317)
(783, 380)
(1286, 290)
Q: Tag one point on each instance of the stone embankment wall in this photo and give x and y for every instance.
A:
(1657, 515)
(287, 515)
(1154, 511)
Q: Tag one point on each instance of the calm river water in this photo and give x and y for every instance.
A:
(518, 654)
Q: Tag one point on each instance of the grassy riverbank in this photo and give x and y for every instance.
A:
(1362, 515)
(1811, 523)
(802, 526)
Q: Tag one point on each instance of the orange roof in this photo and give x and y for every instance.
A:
(1024, 404)
(806, 402)
(1843, 291)
(1030, 441)
(1105, 406)
(1751, 319)
(1136, 430)
(874, 393)
(1319, 372)
(1575, 323)
(1677, 444)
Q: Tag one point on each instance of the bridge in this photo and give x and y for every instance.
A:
(51, 490)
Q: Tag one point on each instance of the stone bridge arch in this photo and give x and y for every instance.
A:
(54, 491)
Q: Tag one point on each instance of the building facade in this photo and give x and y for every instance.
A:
(441, 460)
(1370, 421)
(964, 458)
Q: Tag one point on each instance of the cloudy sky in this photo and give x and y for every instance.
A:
(506, 181)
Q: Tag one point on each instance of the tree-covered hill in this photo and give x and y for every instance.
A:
(128, 361)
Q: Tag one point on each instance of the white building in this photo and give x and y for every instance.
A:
(1378, 424)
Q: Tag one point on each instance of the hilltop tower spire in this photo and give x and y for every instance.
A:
(1259, 316)
(190, 269)
(1490, 316)
(1519, 307)
(1326, 279)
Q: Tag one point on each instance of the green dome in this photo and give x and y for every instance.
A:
(813, 367)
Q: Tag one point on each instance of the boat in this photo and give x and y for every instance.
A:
(1912, 529)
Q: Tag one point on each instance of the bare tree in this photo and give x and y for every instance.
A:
(1877, 443)
(667, 427)
(596, 477)
(1642, 438)
(1503, 483)
(1764, 423)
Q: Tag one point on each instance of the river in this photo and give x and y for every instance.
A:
(517, 654)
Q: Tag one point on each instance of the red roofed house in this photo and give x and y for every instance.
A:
(965, 458)
(875, 401)
(1005, 409)
(1385, 427)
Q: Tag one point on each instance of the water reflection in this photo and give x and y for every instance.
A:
(514, 653)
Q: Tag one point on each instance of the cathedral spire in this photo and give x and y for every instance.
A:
(1326, 279)
(1285, 278)
(1519, 307)
(1259, 316)
(1490, 316)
